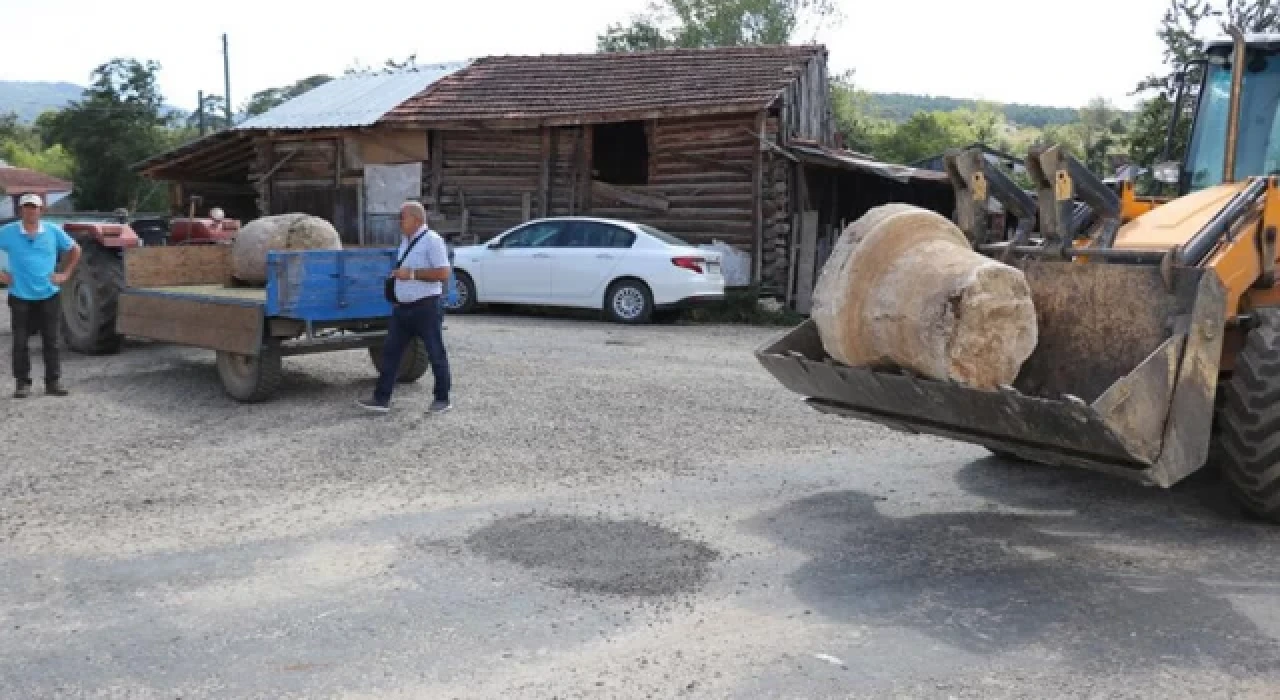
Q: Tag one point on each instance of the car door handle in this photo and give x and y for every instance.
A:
(541, 255)
(605, 256)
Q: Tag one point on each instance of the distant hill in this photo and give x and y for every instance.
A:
(899, 107)
(29, 99)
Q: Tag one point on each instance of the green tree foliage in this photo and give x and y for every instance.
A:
(215, 114)
(1183, 29)
(264, 100)
(118, 122)
(708, 23)
(22, 147)
(899, 107)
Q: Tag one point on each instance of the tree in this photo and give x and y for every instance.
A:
(118, 122)
(264, 100)
(709, 23)
(1182, 30)
(215, 114)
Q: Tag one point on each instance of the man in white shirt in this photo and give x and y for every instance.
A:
(418, 310)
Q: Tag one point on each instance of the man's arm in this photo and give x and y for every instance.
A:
(437, 259)
(70, 257)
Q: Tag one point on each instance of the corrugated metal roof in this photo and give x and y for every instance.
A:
(353, 100)
(848, 160)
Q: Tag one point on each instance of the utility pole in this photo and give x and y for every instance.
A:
(200, 112)
(226, 76)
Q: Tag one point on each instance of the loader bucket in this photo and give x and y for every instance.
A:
(1122, 379)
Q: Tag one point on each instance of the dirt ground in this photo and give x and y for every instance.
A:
(608, 512)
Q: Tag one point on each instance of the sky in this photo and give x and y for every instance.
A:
(1028, 51)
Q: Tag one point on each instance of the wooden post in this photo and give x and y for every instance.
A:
(584, 195)
(337, 163)
(544, 177)
(435, 151)
(757, 197)
(806, 264)
(574, 170)
(526, 206)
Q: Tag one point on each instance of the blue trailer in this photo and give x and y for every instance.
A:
(313, 302)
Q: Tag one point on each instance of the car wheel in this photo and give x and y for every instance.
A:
(628, 301)
(465, 301)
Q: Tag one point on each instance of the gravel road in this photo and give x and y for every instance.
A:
(608, 512)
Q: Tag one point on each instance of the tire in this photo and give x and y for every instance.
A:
(90, 300)
(1249, 421)
(466, 294)
(250, 379)
(628, 301)
(413, 365)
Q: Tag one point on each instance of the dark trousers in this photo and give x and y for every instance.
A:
(27, 318)
(424, 320)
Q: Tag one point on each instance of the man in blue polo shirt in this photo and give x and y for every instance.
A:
(33, 278)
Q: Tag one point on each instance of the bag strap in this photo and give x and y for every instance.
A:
(408, 250)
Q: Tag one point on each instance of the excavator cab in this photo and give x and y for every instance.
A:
(1158, 325)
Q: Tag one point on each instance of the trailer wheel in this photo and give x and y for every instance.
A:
(251, 379)
(413, 364)
(89, 302)
(1249, 420)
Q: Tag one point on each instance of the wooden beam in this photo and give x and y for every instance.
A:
(806, 260)
(274, 168)
(757, 195)
(526, 206)
(337, 163)
(435, 146)
(616, 193)
(544, 177)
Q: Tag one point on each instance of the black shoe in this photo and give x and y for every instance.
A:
(22, 392)
(55, 389)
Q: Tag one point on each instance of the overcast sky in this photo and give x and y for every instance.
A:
(1030, 51)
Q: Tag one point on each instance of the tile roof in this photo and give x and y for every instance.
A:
(602, 86)
(353, 100)
(23, 181)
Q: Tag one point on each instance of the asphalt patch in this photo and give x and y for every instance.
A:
(599, 555)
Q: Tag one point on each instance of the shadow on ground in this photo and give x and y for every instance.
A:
(1106, 574)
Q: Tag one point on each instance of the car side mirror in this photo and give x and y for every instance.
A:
(494, 246)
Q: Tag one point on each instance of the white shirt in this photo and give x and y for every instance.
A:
(429, 253)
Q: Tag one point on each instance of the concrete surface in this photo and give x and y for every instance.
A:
(608, 512)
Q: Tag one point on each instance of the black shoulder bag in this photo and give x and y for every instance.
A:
(389, 286)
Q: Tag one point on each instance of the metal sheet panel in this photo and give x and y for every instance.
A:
(355, 100)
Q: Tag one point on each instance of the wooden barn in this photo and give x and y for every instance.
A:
(727, 144)
(689, 141)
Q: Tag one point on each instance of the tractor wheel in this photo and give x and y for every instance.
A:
(89, 302)
(251, 379)
(1249, 421)
(413, 364)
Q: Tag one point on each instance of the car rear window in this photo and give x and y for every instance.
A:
(662, 235)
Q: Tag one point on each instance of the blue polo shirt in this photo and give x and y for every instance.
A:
(32, 260)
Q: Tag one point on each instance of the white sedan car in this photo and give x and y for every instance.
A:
(624, 269)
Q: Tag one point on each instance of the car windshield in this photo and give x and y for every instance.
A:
(1258, 151)
(662, 235)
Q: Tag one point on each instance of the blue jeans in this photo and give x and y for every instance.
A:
(423, 321)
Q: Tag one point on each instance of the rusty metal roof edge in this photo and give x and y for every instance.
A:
(848, 160)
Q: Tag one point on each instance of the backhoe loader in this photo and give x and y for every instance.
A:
(1158, 317)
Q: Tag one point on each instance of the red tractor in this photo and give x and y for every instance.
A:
(89, 298)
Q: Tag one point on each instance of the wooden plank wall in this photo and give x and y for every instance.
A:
(702, 168)
(807, 106)
(491, 175)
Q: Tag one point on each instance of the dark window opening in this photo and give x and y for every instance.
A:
(620, 153)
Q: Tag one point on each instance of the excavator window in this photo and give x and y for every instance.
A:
(1258, 152)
